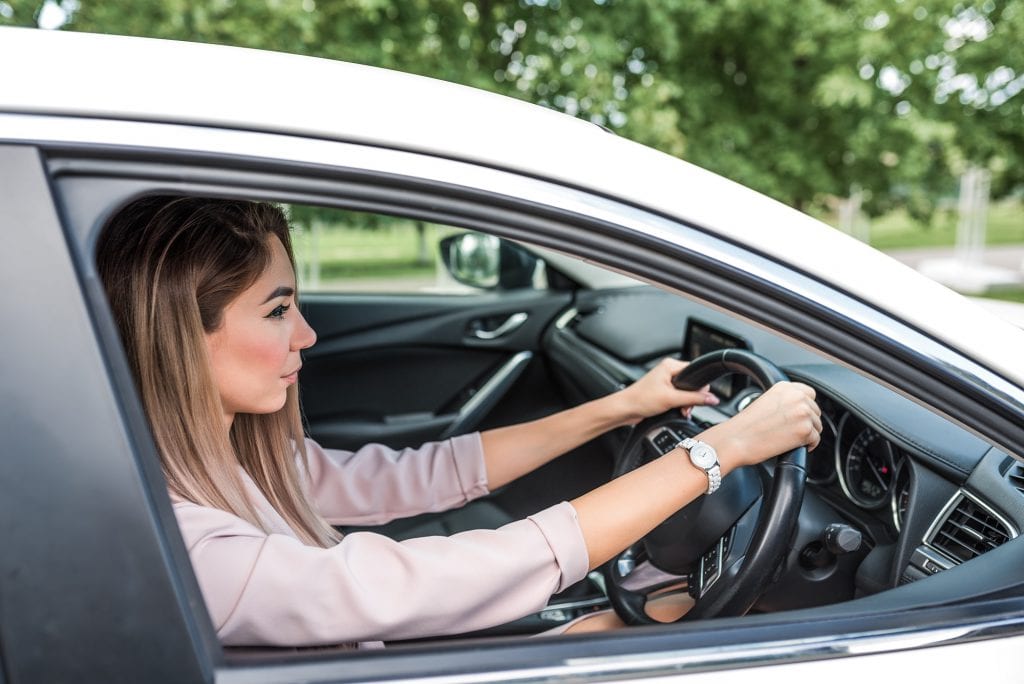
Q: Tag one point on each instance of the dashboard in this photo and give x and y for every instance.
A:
(923, 493)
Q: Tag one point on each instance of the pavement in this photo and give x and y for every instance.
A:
(1002, 256)
(998, 266)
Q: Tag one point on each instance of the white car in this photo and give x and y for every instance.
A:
(583, 258)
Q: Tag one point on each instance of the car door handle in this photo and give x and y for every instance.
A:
(479, 331)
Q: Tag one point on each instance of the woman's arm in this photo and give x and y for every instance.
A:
(376, 484)
(513, 451)
(271, 589)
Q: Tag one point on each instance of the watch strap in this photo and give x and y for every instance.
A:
(714, 478)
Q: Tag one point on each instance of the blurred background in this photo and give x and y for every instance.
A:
(898, 122)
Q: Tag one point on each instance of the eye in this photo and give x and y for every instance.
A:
(279, 311)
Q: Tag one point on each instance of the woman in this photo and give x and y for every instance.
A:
(204, 294)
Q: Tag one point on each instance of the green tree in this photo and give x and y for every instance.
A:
(961, 64)
(802, 100)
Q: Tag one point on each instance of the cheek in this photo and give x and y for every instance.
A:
(266, 351)
(243, 353)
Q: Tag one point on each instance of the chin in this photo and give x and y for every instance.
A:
(269, 406)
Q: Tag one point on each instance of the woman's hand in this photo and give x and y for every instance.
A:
(654, 393)
(783, 418)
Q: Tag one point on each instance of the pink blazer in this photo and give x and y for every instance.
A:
(271, 589)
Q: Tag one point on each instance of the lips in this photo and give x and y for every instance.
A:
(293, 376)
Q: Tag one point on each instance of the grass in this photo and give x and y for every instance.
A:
(389, 252)
(897, 230)
(1007, 294)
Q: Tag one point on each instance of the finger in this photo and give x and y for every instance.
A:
(806, 389)
(674, 365)
(815, 436)
(697, 398)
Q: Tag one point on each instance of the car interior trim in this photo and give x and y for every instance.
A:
(933, 369)
(954, 451)
(487, 396)
(953, 502)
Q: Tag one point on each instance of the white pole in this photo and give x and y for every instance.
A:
(850, 220)
(973, 209)
(314, 254)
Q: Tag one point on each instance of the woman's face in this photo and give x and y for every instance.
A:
(254, 353)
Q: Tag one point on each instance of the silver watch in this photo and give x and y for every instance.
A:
(704, 456)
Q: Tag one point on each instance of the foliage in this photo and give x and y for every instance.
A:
(802, 100)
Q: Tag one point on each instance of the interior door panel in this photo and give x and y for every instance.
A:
(404, 369)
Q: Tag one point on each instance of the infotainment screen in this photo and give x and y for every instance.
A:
(701, 338)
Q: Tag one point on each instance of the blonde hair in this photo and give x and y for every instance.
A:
(170, 265)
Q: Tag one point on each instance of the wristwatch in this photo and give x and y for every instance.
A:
(704, 456)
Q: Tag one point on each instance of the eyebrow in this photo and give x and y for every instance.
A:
(280, 292)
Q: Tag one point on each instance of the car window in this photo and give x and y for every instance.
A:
(340, 251)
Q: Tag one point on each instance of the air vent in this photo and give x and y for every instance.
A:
(969, 530)
(1015, 476)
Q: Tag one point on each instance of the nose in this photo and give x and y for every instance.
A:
(303, 336)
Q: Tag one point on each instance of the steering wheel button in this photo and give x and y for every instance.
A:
(710, 565)
(665, 441)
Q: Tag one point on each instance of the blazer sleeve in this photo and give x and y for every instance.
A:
(271, 589)
(377, 484)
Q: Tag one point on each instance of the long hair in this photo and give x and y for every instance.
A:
(170, 266)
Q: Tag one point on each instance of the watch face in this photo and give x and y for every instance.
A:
(703, 456)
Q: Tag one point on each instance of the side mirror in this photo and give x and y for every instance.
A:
(488, 262)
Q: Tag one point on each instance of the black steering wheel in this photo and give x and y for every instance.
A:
(727, 545)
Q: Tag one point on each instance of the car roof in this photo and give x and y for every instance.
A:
(142, 79)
